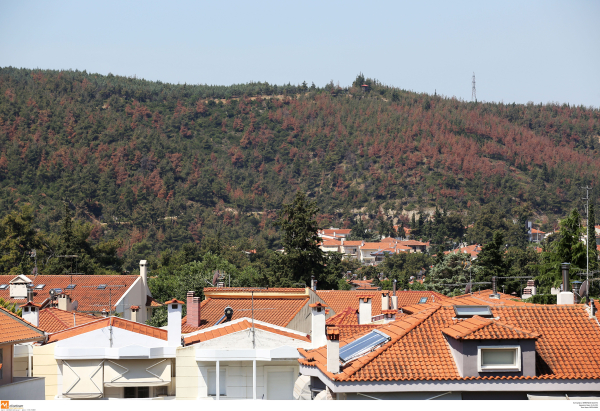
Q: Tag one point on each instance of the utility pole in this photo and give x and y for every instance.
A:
(473, 91)
(587, 225)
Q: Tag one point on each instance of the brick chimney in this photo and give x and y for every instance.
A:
(318, 324)
(364, 309)
(193, 310)
(333, 350)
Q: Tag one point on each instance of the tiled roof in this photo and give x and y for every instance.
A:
(86, 293)
(347, 316)
(567, 345)
(536, 231)
(174, 301)
(208, 290)
(373, 246)
(483, 298)
(53, 319)
(151, 302)
(105, 322)
(14, 329)
(276, 311)
(331, 231)
(352, 243)
(479, 328)
(406, 298)
(339, 300)
(412, 242)
(331, 243)
(473, 250)
(244, 324)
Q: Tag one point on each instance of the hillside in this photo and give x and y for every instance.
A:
(160, 165)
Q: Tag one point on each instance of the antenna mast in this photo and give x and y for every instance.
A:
(587, 241)
(473, 91)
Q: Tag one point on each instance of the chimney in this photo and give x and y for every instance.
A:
(64, 302)
(389, 315)
(174, 308)
(31, 313)
(565, 296)
(395, 298)
(193, 310)
(576, 286)
(30, 293)
(385, 300)
(104, 314)
(592, 308)
(313, 283)
(318, 324)
(333, 350)
(364, 309)
(135, 309)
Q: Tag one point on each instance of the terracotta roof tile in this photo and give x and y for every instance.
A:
(105, 322)
(240, 326)
(276, 311)
(567, 344)
(352, 243)
(14, 329)
(53, 319)
(86, 293)
(174, 301)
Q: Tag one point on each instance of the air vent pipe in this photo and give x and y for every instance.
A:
(29, 294)
(565, 276)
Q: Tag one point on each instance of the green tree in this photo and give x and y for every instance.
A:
(567, 248)
(592, 248)
(301, 258)
(491, 259)
(17, 239)
(453, 270)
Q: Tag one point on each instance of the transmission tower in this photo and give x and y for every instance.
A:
(473, 91)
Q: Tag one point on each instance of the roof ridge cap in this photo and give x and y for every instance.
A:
(393, 339)
(51, 311)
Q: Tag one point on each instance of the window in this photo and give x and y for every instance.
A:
(423, 300)
(40, 286)
(136, 392)
(500, 358)
(212, 382)
(3, 286)
(101, 287)
(468, 311)
(71, 286)
(363, 345)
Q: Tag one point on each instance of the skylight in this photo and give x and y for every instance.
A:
(3, 286)
(101, 287)
(423, 300)
(467, 311)
(71, 286)
(363, 345)
(57, 290)
(40, 286)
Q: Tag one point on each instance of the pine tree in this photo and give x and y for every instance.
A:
(491, 258)
(592, 248)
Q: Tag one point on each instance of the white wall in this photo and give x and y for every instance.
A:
(101, 339)
(242, 340)
(28, 389)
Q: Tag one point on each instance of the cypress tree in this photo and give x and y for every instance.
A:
(592, 250)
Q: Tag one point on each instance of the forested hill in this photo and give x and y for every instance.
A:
(159, 165)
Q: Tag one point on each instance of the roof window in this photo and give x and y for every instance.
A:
(363, 345)
(468, 311)
(71, 286)
(101, 287)
(3, 286)
(423, 300)
(39, 287)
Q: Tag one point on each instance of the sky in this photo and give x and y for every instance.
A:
(520, 51)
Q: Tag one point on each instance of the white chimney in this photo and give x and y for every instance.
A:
(174, 308)
(64, 302)
(364, 309)
(395, 302)
(333, 350)
(31, 313)
(385, 300)
(318, 324)
(135, 313)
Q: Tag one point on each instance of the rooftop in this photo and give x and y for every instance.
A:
(105, 322)
(14, 329)
(53, 319)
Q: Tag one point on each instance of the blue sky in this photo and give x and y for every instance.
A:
(540, 51)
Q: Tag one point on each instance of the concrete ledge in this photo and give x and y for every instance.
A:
(25, 389)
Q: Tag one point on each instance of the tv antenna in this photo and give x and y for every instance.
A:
(473, 91)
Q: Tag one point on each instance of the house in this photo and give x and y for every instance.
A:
(334, 233)
(330, 246)
(456, 352)
(536, 236)
(351, 248)
(472, 250)
(366, 251)
(90, 294)
(110, 358)
(14, 331)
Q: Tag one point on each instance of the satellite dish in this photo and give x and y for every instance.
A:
(584, 289)
(468, 289)
(228, 313)
(215, 277)
(75, 305)
(52, 293)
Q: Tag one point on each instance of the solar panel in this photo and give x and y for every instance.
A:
(363, 345)
(471, 310)
(3, 286)
(101, 287)
(70, 286)
(57, 290)
(40, 286)
(423, 300)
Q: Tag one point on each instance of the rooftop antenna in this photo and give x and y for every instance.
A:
(473, 91)
(587, 241)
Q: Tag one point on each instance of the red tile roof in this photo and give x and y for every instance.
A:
(105, 322)
(479, 328)
(276, 311)
(567, 345)
(239, 326)
(14, 329)
(473, 250)
(174, 301)
(331, 243)
(86, 293)
(353, 243)
(239, 291)
(483, 298)
(54, 320)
